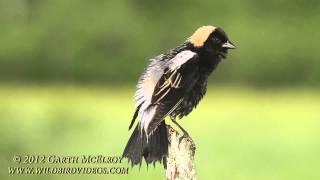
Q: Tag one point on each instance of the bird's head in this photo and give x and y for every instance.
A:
(211, 40)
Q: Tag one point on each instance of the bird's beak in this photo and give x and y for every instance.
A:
(229, 45)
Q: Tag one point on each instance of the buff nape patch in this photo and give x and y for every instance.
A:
(201, 35)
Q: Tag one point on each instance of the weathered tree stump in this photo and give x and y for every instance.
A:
(180, 162)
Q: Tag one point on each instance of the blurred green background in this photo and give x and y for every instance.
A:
(68, 71)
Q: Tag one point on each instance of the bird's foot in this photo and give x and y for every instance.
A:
(185, 136)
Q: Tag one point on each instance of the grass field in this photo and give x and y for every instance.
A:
(240, 133)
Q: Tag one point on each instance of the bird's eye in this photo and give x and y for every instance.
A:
(216, 40)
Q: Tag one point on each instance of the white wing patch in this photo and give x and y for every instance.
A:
(149, 80)
(180, 59)
(146, 118)
(147, 83)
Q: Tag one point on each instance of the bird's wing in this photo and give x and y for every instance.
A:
(178, 78)
(146, 84)
(179, 71)
(148, 80)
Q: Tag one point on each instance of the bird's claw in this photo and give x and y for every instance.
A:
(185, 136)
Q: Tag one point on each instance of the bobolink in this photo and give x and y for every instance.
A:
(172, 85)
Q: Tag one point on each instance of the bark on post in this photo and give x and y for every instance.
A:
(180, 162)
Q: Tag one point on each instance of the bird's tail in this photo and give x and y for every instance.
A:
(153, 150)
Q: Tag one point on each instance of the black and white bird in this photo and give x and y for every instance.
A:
(172, 85)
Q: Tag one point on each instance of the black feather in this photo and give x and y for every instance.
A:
(156, 149)
(135, 116)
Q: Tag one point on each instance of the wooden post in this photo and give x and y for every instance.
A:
(180, 162)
